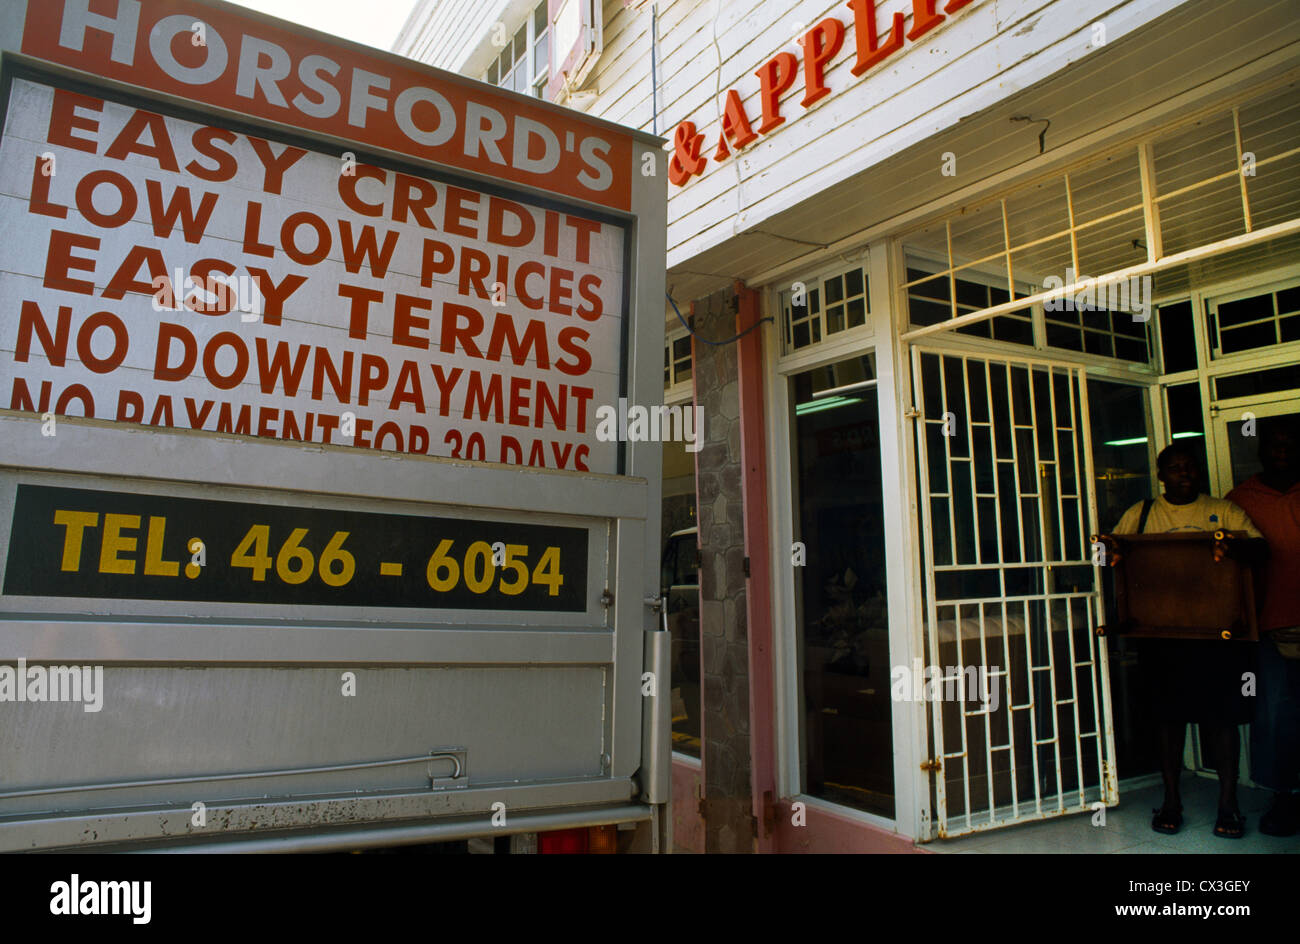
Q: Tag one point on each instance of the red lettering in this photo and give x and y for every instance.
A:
(924, 18)
(348, 190)
(64, 120)
(462, 208)
(820, 45)
(587, 286)
(40, 202)
(213, 348)
(404, 321)
(124, 280)
(527, 228)
(289, 238)
(453, 332)
(485, 398)
(275, 293)
(534, 339)
(205, 143)
(59, 260)
(570, 341)
(162, 369)
(365, 249)
(102, 365)
(193, 222)
(870, 51)
(413, 196)
(30, 319)
(126, 203)
(129, 141)
(275, 165)
(774, 77)
(275, 372)
(735, 123)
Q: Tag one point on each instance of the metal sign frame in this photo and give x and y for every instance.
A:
(610, 640)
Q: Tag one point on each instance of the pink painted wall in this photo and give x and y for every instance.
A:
(688, 827)
(828, 832)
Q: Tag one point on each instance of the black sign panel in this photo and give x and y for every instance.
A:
(118, 545)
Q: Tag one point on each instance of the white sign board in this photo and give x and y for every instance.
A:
(168, 273)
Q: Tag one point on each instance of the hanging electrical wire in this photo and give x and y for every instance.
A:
(692, 333)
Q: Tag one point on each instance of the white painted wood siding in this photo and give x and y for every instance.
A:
(978, 57)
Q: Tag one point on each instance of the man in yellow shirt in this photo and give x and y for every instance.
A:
(1192, 680)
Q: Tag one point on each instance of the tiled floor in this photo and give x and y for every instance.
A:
(1128, 828)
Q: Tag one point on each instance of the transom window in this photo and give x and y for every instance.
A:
(1247, 322)
(524, 63)
(818, 308)
(934, 296)
(1092, 330)
(1221, 176)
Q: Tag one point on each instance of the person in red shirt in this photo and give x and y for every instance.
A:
(1272, 499)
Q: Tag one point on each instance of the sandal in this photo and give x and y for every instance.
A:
(1167, 821)
(1230, 825)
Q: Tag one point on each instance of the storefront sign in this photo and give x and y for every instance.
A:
(776, 76)
(117, 545)
(222, 57)
(389, 311)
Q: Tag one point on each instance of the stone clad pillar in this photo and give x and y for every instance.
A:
(727, 804)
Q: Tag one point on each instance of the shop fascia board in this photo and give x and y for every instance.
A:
(1271, 71)
(1050, 60)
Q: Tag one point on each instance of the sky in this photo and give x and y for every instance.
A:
(373, 22)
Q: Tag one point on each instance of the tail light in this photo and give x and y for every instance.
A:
(594, 840)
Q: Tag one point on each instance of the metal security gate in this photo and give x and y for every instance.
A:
(1015, 675)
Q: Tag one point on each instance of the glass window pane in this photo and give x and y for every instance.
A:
(1245, 309)
(973, 295)
(1016, 330)
(1288, 300)
(492, 73)
(857, 313)
(542, 58)
(1177, 337)
(847, 750)
(521, 41)
(679, 583)
(539, 19)
(1273, 380)
(853, 283)
(1186, 421)
(1232, 340)
(834, 290)
(802, 334)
